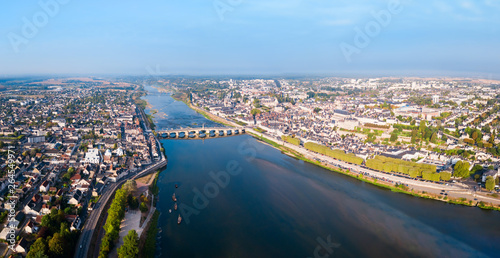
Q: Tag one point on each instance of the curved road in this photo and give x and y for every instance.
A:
(89, 227)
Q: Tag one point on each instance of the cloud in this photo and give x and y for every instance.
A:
(470, 6)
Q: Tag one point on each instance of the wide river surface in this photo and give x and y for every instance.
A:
(241, 198)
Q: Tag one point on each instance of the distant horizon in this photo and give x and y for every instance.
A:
(352, 75)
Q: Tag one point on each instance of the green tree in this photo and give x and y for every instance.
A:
(490, 183)
(475, 169)
(255, 112)
(105, 247)
(414, 135)
(486, 129)
(422, 127)
(461, 169)
(394, 137)
(474, 135)
(130, 186)
(143, 207)
(130, 247)
(434, 137)
(445, 176)
(256, 103)
(38, 249)
(133, 202)
(56, 246)
(492, 139)
(116, 212)
(3, 216)
(1, 144)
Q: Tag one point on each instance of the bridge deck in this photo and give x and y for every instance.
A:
(166, 133)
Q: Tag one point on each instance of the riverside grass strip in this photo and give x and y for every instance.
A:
(335, 153)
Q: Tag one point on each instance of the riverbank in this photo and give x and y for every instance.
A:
(212, 117)
(374, 181)
(371, 180)
(147, 241)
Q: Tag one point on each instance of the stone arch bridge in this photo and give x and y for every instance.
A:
(201, 133)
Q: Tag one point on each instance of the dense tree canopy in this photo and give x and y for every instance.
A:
(130, 247)
(461, 169)
(394, 137)
(38, 249)
(116, 212)
(490, 183)
(56, 246)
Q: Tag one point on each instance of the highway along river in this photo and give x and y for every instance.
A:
(241, 198)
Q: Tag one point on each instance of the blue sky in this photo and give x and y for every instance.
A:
(455, 37)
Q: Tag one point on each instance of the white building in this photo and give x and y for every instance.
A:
(492, 173)
(36, 139)
(60, 122)
(435, 99)
(93, 156)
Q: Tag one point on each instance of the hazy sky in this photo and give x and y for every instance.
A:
(459, 37)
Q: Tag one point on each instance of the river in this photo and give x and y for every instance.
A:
(242, 198)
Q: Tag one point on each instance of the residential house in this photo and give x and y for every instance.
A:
(75, 197)
(21, 247)
(45, 186)
(18, 219)
(493, 173)
(30, 227)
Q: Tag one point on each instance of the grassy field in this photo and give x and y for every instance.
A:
(260, 130)
(290, 139)
(145, 179)
(240, 123)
